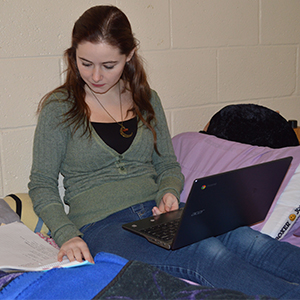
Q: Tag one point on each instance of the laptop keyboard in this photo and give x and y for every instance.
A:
(164, 231)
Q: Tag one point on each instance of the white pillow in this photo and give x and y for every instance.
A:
(286, 210)
(200, 155)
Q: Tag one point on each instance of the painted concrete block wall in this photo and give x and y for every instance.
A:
(200, 55)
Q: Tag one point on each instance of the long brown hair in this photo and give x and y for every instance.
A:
(110, 25)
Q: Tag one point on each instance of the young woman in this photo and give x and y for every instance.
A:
(105, 131)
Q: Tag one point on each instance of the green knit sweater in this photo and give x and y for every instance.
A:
(98, 181)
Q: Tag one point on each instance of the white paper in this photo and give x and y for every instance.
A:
(22, 249)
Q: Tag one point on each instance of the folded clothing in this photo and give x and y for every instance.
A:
(7, 215)
(74, 283)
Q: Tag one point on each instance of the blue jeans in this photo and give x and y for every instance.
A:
(243, 259)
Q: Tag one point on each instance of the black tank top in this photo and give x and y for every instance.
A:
(110, 134)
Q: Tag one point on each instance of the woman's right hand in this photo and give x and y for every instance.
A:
(75, 249)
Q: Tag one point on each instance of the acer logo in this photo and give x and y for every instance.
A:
(196, 213)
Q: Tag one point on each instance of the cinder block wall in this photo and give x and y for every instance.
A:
(200, 54)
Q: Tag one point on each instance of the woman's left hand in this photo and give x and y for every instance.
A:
(168, 202)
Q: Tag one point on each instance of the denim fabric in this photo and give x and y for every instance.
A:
(243, 260)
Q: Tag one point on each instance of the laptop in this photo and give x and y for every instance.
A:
(216, 204)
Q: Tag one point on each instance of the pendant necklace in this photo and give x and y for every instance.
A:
(123, 129)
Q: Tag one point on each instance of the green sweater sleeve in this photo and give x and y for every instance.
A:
(169, 176)
(49, 148)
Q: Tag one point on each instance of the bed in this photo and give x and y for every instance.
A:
(113, 277)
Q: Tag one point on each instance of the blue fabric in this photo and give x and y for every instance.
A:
(243, 260)
(39, 225)
(75, 283)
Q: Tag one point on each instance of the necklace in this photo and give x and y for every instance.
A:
(123, 129)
